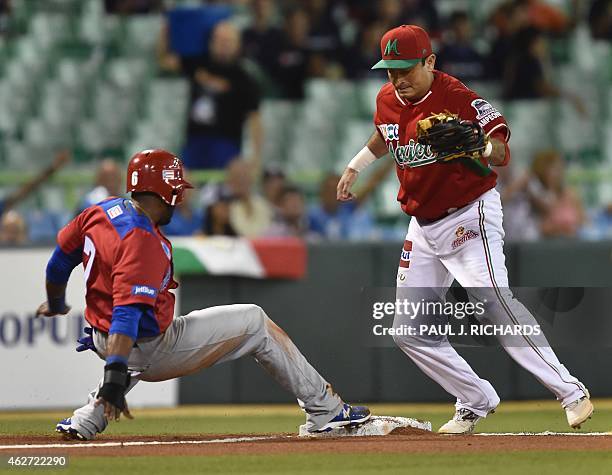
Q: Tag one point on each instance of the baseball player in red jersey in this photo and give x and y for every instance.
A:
(129, 276)
(456, 227)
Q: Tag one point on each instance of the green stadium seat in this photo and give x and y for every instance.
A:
(367, 92)
(142, 33)
(49, 28)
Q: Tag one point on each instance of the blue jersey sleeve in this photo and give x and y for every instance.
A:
(60, 265)
(125, 319)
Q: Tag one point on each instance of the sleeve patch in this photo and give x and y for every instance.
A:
(485, 112)
(114, 212)
(144, 290)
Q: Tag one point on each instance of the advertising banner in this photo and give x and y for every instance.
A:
(39, 366)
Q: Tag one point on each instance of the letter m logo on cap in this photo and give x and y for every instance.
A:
(391, 47)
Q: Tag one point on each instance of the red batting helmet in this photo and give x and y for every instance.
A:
(159, 172)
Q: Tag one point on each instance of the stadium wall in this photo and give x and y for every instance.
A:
(323, 312)
(323, 315)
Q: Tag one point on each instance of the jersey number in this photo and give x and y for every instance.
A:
(90, 250)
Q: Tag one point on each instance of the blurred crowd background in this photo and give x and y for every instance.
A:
(267, 100)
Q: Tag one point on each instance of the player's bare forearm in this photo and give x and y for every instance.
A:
(377, 145)
(498, 154)
(374, 149)
(119, 345)
(116, 377)
(55, 304)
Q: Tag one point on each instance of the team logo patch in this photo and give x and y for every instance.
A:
(114, 212)
(405, 256)
(389, 132)
(168, 175)
(463, 235)
(485, 112)
(144, 290)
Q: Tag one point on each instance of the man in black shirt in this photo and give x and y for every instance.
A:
(224, 97)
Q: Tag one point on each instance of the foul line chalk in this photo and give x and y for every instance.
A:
(233, 440)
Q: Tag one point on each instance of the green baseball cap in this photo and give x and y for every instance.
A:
(403, 47)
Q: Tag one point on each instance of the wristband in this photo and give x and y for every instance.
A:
(488, 150)
(360, 161)
(116, 382)
(116, 359)
(56, 304)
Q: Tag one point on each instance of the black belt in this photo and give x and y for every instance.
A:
(425, 222)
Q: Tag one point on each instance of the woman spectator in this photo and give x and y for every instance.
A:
(559, 207)
(527, 71)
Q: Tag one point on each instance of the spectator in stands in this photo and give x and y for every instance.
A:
(109, 182)
(600, 20)
(422, 13)
(25, 190)
(13, 230)
(558, 206)
(527, 71)
(217, 218)
(365, 52)
(250, 214)
(323, 39)
(392, 13)
(520, 219)
(293, 60)
(507, 19)
(291, 219)
(187, 220)
(262, 40)
(224, 98)
(546, 17)
(5, 11)
(457, 56)
(273, 184)
(602, 222)
(131, 7)
(334, 220)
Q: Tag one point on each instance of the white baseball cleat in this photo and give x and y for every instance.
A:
(463, 422)
(579, 411)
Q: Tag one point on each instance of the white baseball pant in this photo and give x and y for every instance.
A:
(204, 338)
(467, 245)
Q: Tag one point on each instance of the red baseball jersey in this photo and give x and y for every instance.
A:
(127, 261)
(429, 189)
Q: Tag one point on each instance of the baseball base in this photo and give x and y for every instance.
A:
(375, 426)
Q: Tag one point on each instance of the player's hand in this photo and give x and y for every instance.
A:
(348, 179)
(43, 310)
(112, 412)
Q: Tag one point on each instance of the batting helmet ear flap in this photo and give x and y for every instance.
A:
(159, 172)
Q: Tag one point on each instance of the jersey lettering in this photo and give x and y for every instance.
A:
(413, 154)
(89, 250)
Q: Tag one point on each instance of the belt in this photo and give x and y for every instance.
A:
(425, 222)
(140, 340)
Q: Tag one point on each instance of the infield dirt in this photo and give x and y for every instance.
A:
(402, 441)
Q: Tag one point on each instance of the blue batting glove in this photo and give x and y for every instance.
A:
(86, 342)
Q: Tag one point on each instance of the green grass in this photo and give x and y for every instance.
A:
(214, 419)
(510, 417)
(553, 463)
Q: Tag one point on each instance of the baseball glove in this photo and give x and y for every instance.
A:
(452, 138)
